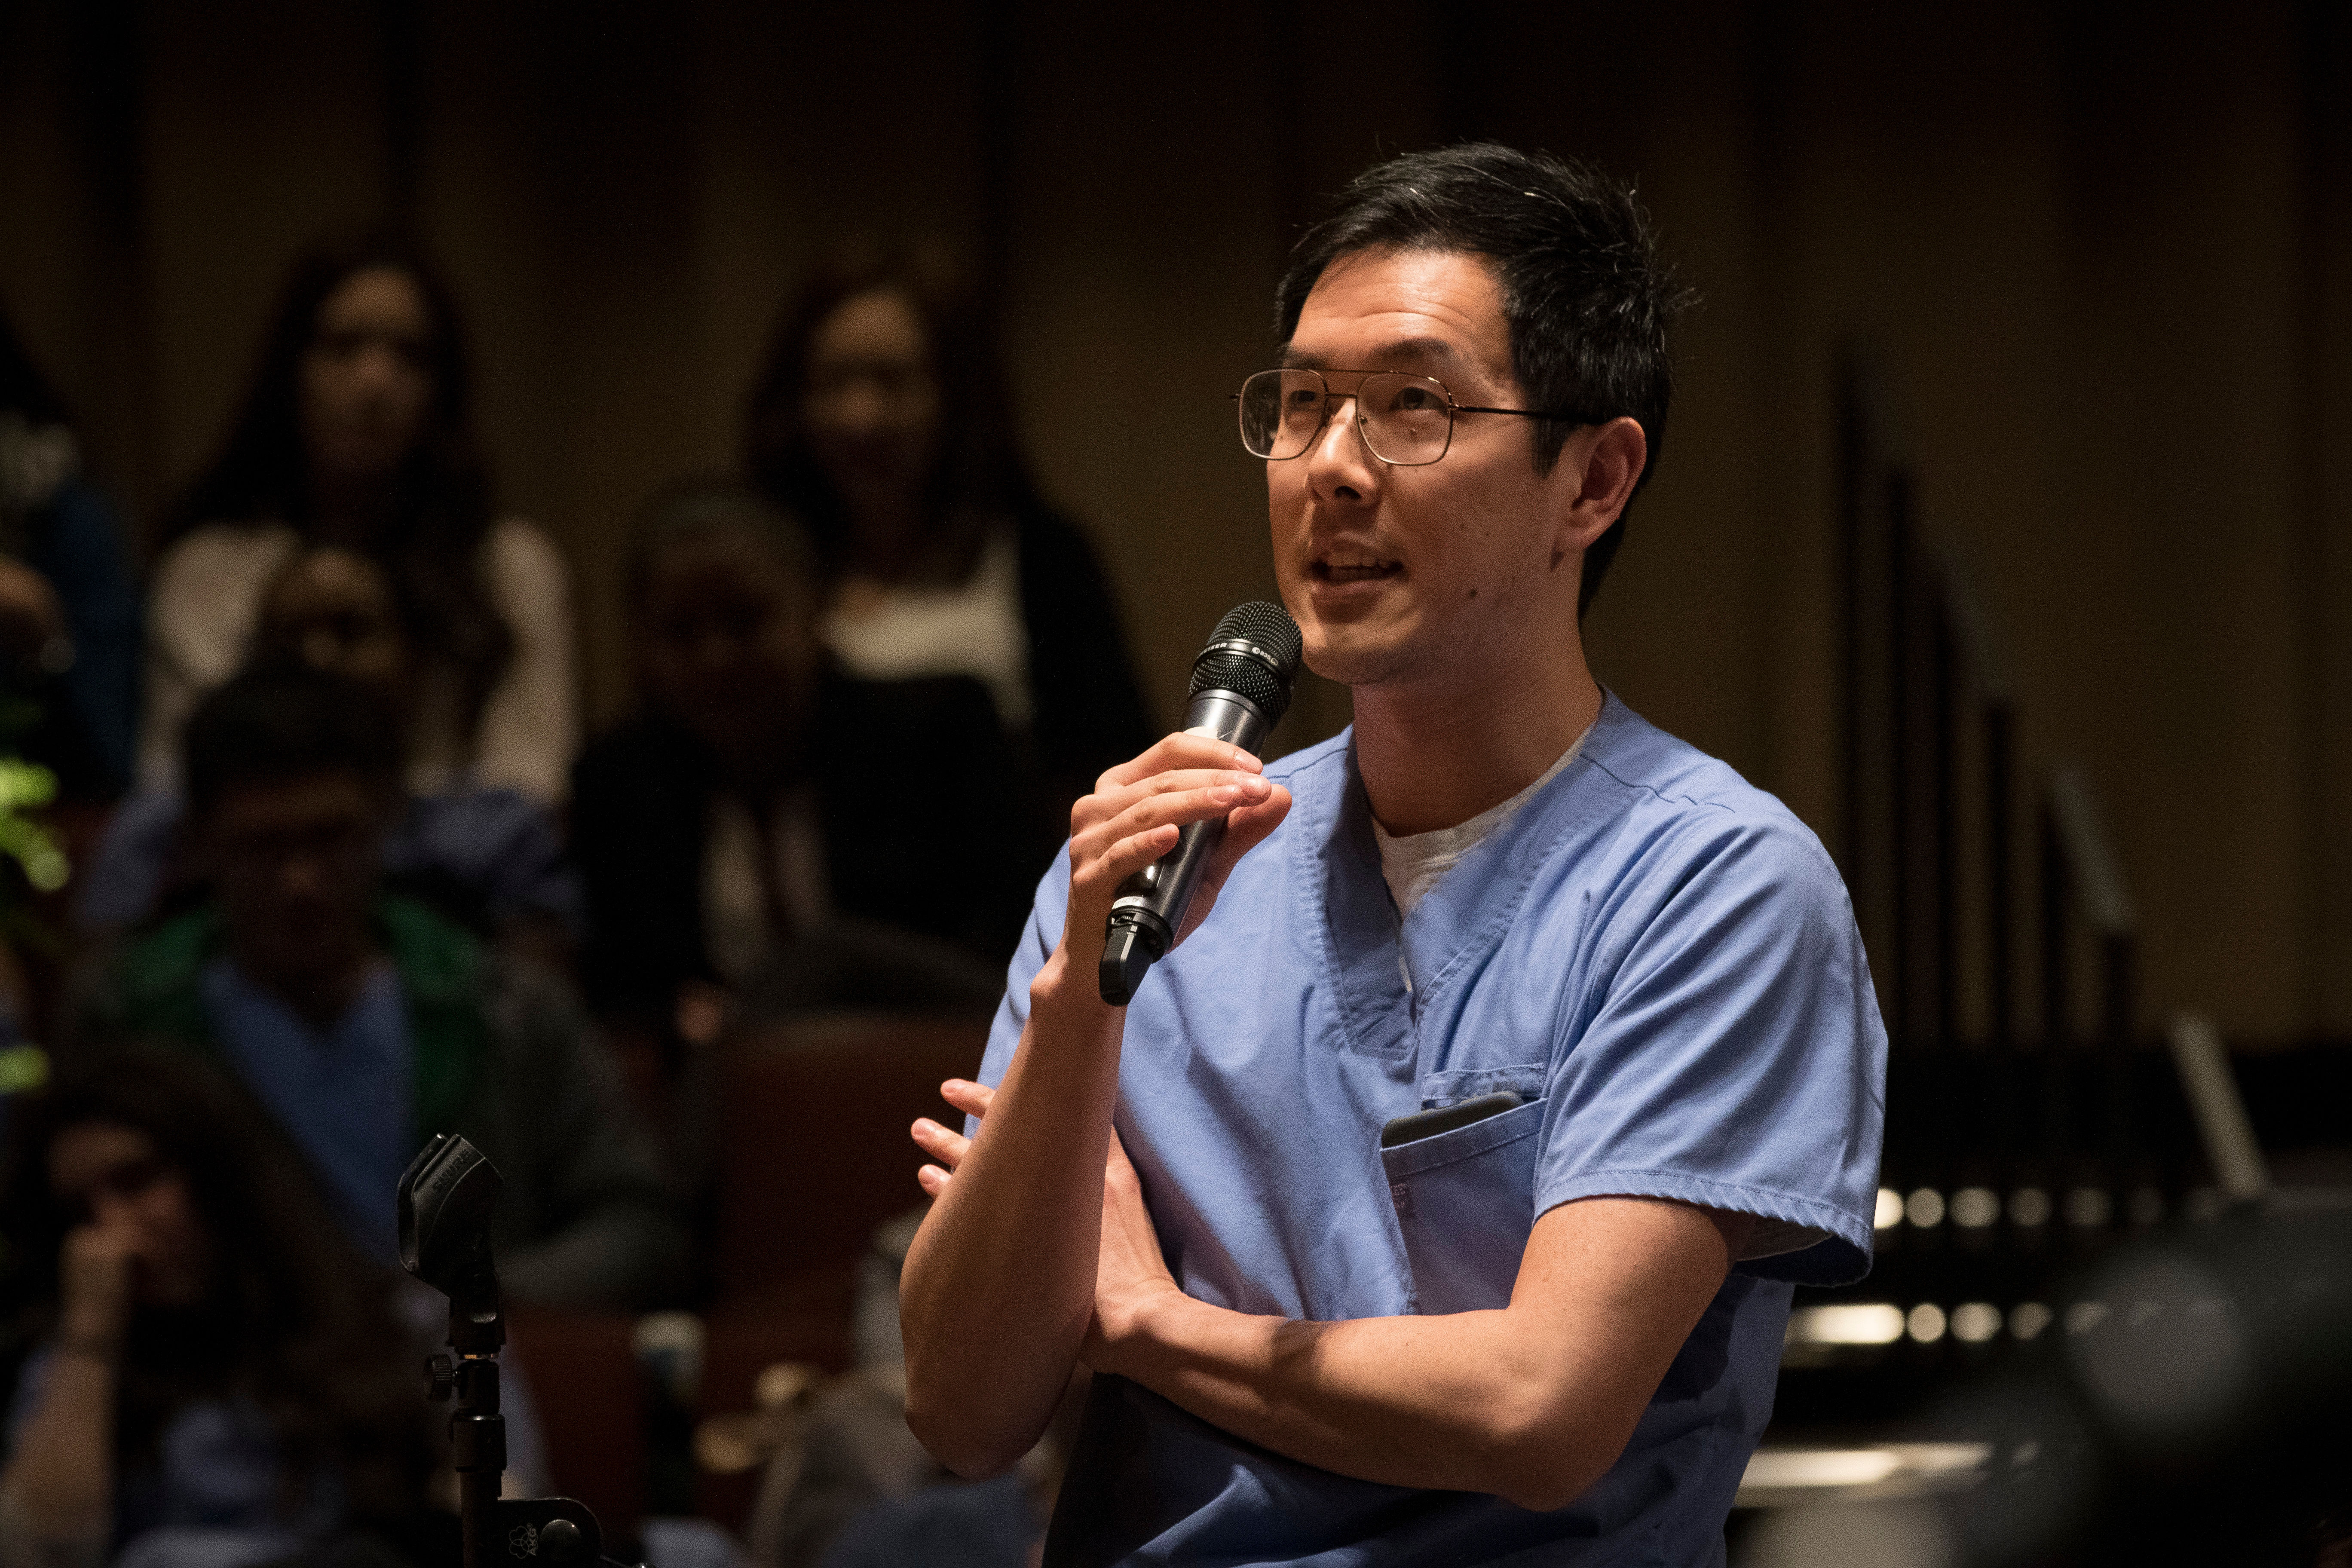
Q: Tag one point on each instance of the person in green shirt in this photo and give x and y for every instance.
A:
(365, 1023)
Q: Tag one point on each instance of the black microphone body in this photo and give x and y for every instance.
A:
(1241, 688)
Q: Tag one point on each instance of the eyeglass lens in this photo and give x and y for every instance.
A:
(1404, 419)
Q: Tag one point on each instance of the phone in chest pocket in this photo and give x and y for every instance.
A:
(1461, 1177)
(1420, 1124)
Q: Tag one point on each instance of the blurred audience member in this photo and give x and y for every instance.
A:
(217, 1377)
(365, 1022)
(68, 606)
(846, 1485)
(356, 433)
(490, 857)
(883, 420)
(770, 827)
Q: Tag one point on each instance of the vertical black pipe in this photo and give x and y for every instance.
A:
(1902, 677)
(2005, 1083)
(2000, 784)
(2118, 980)
(1943, 908)
(2118, 960)
(1851, 464)
(2324, 169)
(2054, 1060)
(2056, 987)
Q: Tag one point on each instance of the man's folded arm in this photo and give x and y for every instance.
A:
(1533, 1403)
(999, 1284)
(999, 1287)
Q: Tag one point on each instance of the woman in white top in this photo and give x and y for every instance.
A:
(356, 433)
(882, 422)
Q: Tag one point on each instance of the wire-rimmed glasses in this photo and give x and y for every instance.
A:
(1405, 421)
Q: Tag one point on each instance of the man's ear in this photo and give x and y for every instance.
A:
(1597, 468)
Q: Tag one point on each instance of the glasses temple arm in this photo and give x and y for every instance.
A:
(1522, 412)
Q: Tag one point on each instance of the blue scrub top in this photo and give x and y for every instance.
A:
(1661, 958)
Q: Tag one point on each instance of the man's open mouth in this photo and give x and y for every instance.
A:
(1355, 569)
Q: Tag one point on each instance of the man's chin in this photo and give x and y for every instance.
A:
(1351, 655)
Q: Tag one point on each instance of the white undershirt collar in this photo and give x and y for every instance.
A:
(1413, 864)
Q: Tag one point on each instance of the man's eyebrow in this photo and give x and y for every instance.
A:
(1424, 348)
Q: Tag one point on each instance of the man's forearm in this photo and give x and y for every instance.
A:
(1415, 1402)
(1532, 1403)
(999, 1284)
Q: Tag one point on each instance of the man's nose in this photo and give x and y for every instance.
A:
(1337, 461)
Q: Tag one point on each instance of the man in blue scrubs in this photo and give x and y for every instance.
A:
(1549, 1335)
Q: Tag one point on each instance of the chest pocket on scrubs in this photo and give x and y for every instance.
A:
(1465, 1202)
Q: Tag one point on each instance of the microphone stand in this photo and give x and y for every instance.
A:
(477, 1432)
(445, 1201)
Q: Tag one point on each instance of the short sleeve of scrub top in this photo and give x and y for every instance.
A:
(1729, 983)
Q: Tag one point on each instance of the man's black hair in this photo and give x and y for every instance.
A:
(1585, 297)
(279, 724)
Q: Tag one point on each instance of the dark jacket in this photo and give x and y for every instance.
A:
(928, 818)
(501, 1055)
(1090, 714)
(82, 717)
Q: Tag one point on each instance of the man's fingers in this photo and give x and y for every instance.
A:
(1177, 751)
(1171, 808)
(1245, 829)
(1106, 869)
(944, 1144)
(971, 1099)
(1098, 814)
(947, 1146)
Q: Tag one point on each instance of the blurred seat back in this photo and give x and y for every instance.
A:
(813, 1151)
(813, 1154)
(584, 1381)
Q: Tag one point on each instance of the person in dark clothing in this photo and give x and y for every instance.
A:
(754, 828)
(882, 419)
(366, 1022)
(69, 601)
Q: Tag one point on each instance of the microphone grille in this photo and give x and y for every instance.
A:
(1267, 628)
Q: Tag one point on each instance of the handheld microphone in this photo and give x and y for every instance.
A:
(1241, 688)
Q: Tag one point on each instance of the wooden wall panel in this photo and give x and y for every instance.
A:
(2100, 250)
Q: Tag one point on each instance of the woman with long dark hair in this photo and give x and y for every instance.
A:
(210, 1353)
(882, 420)
(357, 432)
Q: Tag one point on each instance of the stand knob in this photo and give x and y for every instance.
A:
(560, 1540)
(440, 1379)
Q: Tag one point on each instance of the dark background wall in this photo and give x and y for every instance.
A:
(2101, 251)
